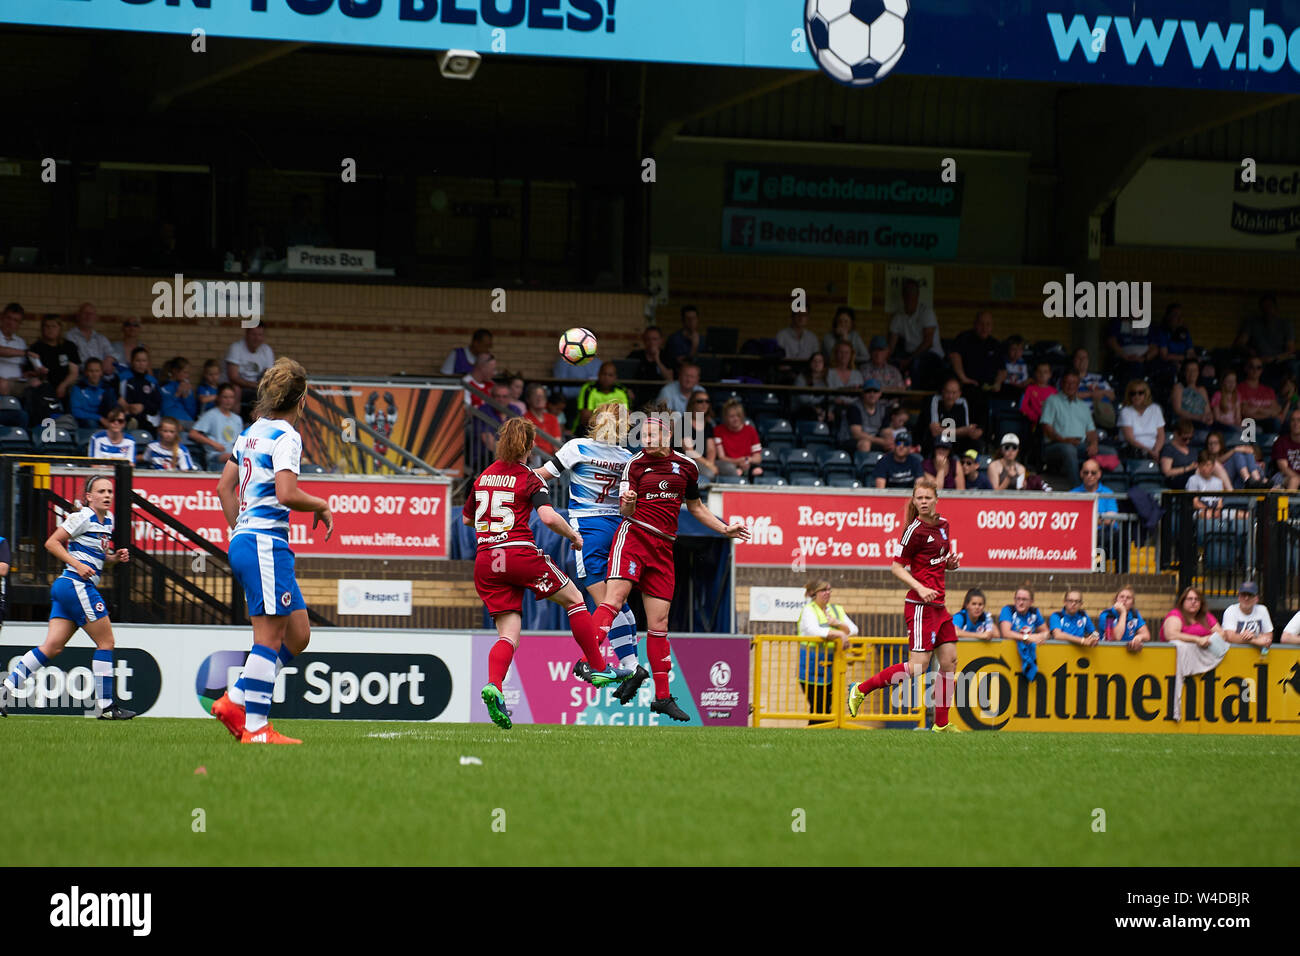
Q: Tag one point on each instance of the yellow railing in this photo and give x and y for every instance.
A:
(782, 699)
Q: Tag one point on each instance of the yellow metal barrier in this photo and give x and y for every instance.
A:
(782, 699)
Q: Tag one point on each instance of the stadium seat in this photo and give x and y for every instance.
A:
(140, 437)
(772, 453)
(765, 403)
(308, 468)
(983, 461)
(1266, 445)
(770, 480)
(842, 481)
(1143, 469)
(1116, 481)
(814, 433)
(63, 442)
(15, 440)
(11, 412)
(84, 435)
(730, 480)
(800, 458)
(834, 461)
(802, 480)
(866, 459)
(775, 429)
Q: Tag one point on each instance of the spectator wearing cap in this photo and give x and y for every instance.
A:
(914, 336)
(901, 467)
(797, 341)
(879, 366)
(1248, 621)
(949, 417)
(1113, 544)
(976, 358)
(736, 446)
(684, 344)
(604, 389)
(1068, 428)
(864, 421)
(89, 343)
(970, 470)
(13, 351)
(1005, 472)
(460, 360)
(942, 465)
(842, 330)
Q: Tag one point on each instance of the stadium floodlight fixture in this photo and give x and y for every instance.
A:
(459, 64)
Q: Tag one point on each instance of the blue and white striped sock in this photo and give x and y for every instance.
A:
(622, 637)
(259, 682)
(236, 693)
(102, 666)
(32, 661)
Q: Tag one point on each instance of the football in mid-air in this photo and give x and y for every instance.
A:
(856, 42)
(578, 346)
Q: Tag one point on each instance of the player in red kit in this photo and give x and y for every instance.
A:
(508, 561)
(653, 487)
(925, 557)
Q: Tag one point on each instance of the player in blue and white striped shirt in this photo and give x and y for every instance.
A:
(84, 542)
(596, 465)
(258, 489)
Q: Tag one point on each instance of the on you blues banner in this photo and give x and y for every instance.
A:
(1201, 45)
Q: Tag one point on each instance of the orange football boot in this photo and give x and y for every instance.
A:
(230, 714)
(267, 735)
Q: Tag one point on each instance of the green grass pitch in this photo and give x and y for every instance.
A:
(360, 793)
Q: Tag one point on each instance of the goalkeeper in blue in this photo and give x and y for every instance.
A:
(596, 465)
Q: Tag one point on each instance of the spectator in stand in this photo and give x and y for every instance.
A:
(1189, 400)
(1095, 391)
(1036, 394)
(1122, 622)
(1237, 468)
(865, 421)
(736, 449)
(701, 427)
(914, 337)
(797, 341)
(1020, 620)
(1178, 459)
(540, 416)
(1286, 455)
(1207, 506)
(880, 368)
(1141, 421)
(1190, 620)
(948, 415)
(178, 399)
(898, 419)
(1291, 633)
(843, 376)
(1068, 427)
(122, 350)
(480, 379)
(557, 406)
(677, 395)
(484, 426)
(651, 358)
(460, 361)
(515, 382)
(246, 360)
(1013, 378)
(1226, 405)
(52, 370)
(89, 343)
(113, 442)
(1288, 396)
(604, 389)
(13, 351)
(1258, 401)
(1130, 348)
(1005, 472)
(974, 619)
(811, 406)
(1173, 340)
(970, 470)
(141, 398)
(1248, 621)
(217, 428)
(901, 467)
(570, 372)
(684, 344)
(943, 467)
(842, 330)
(90, 400)
(167, 452)
(1071, 623)
(1112, 543)
(976, 359)
(206, 393)
(1271, 338)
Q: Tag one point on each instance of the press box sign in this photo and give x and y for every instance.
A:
(383, 598)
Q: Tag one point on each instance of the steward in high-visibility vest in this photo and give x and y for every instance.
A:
(816, 656)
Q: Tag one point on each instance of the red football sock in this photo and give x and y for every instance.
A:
(661, 661)
(884, 678)
(584, 632)
(943, 699)
(499, 658)
(603, 618)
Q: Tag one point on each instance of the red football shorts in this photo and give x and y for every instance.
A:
(644, 558)
(501, 575)
(928, 625)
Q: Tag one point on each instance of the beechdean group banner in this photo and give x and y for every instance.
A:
(860, 529)
(1199, 45)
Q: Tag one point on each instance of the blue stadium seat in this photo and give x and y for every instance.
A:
(775, 429)
(814, 433)
(730, 480)
(1140, 469)
(772, 453)
(800, 457)
(63, 442)
(12, 414)
(802, 480)
(15, 440)
(767, 403)
(834, 461)
(141, 438)
(1266, 443)
(866, 459)
(983, 461)
(84, 435)
(1116, 481)
(842, 481)
(768, 478)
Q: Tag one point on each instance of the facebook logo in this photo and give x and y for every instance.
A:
(742, 230)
